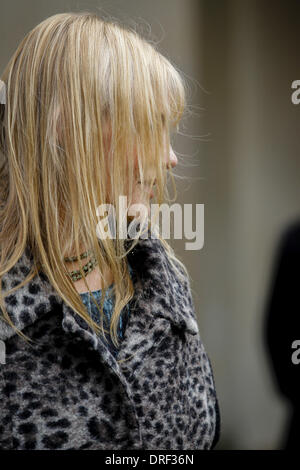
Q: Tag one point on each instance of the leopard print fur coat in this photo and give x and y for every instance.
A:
(66, 391)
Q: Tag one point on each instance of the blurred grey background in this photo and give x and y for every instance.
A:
(238, 155)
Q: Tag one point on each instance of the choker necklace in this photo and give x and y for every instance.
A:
(82, 256)
(87, 268)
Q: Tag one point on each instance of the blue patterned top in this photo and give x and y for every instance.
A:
(107, 308)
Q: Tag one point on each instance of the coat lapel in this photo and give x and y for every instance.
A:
(160, 301)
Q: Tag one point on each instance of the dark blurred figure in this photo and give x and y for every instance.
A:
(282, 326)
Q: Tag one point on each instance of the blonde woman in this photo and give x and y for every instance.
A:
(100, 343)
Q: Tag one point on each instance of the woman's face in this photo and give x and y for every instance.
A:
(144, 199)
(170, 160)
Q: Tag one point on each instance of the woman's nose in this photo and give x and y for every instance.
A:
(172, 159)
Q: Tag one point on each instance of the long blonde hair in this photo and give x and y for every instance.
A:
(73, 74)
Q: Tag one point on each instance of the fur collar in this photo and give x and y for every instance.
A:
(160, 301)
